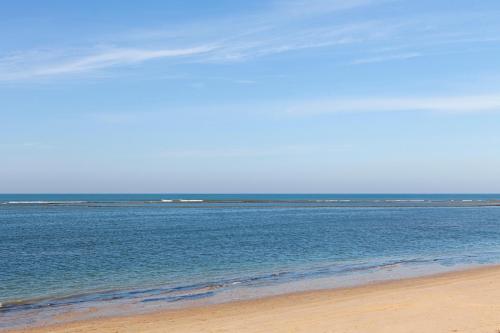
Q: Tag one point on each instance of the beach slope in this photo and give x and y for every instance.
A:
(467, 301)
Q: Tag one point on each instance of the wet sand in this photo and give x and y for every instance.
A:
(466, 301)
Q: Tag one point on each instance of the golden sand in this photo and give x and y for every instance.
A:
(467, 301)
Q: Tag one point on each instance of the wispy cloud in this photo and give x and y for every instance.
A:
(26, 145)
(284, 109)
(101, 59)
(240, 152)
(305, 8)
(386, 57)
(443, 104)
(277, 41)
(286, 26)
(278, 30)
(114, 57)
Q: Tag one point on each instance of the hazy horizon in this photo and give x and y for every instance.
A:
(336, 193)
(361, 96)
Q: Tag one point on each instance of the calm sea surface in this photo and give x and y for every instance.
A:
(61, 253)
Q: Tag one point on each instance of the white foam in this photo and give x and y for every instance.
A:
(43, 202)
(190, 200)
(166, 200)
(405, 200)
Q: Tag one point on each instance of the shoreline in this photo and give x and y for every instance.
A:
(124, 302)
(470, 296)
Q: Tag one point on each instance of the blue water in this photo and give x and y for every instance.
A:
(61, 250)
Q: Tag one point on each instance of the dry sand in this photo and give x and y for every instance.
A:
(467, 301)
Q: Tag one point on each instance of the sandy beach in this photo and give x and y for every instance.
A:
(466, 301)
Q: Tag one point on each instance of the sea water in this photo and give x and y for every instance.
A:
(136, 252)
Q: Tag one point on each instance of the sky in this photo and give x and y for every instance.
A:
(317, 96)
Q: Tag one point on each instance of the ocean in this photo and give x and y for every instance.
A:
(122, 253)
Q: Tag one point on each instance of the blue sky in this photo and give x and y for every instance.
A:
(250, 96)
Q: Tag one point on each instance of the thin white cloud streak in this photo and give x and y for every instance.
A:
(276, 42)
(446, 104)
(26, 145)
(287, 27)
(304, 8)
(222, 41)
(286, 109)
(387, 57)
(242, 152)
(98, 60)
(120, 56)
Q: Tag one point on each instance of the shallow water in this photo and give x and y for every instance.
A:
(63, 253)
